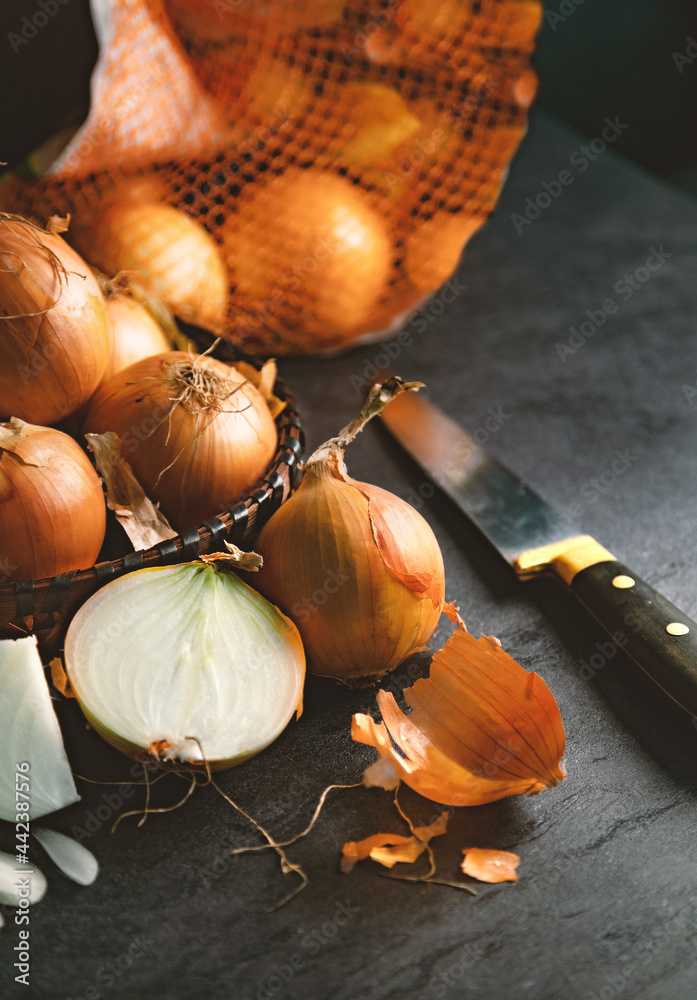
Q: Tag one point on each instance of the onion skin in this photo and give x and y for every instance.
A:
(53, 362)
(134, 334)
(52, 510)
(165, 251)
(193, 463)
(358, 570)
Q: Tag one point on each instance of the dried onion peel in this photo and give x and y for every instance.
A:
(185, 663)
(358, 569)
(481, 728)
(489, 865)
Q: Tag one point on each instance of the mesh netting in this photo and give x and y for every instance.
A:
(340, 153)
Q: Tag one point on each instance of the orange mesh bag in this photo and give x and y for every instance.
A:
(340, 154)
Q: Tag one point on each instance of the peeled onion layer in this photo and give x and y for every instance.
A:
(11, 882)
(74, 860)
(185, 663)
(30, 735)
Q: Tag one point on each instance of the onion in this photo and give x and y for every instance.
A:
(185, 663)
(11, 883)
(74, 860)
(358, 569)
(196, 433)
(54, 334)
(308, 251)
(168, 253)
(52, 511)
(31, 749)
(134, 334)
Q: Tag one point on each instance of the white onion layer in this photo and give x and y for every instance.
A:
(182, 654)
(74, 860)
(15, 878)
(30, 735)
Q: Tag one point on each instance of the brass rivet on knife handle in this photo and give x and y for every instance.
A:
(565, 559)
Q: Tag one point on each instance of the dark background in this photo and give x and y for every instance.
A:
(594, 57)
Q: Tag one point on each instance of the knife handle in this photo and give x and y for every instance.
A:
(659, 637)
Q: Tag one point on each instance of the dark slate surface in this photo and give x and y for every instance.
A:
(606, 904)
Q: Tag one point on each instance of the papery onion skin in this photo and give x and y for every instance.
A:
(194, 463)
(134, 334)
(113, 640)
(52, 362)
(358, 570)
(52, 510)
(165, 251)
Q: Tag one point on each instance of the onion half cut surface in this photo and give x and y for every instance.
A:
(185, 663)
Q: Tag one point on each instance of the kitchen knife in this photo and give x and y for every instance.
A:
(535, 540)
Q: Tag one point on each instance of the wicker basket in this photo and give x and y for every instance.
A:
(45, 607)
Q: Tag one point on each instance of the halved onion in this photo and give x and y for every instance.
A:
(185, 663)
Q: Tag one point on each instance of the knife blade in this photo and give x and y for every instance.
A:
(534, 540)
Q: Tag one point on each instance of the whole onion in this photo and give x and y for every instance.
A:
(134, 334)
(54, 334)
(358, 569)
(196, 432)
(52, 510)
(163, 250)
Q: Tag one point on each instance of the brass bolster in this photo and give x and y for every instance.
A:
(565, 559)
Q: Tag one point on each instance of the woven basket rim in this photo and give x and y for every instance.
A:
(44, 606)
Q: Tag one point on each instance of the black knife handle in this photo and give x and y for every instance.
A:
(659, 637)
